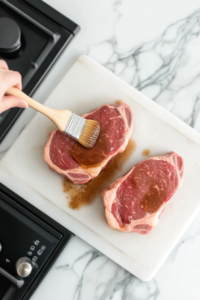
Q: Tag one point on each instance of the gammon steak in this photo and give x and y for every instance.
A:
(135, 201)
(68, 158)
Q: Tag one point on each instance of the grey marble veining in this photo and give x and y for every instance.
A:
(165, 69)
(107, 284)
(83, 273)
(88, 274)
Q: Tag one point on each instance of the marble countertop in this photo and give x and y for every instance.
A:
(154, 46)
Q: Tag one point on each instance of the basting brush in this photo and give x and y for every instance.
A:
(84, 131)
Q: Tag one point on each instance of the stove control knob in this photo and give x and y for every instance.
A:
(0, 247)
(24, 267)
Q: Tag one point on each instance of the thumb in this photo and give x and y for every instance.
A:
(8, 102)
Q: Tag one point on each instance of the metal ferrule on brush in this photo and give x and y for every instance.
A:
(75, 126)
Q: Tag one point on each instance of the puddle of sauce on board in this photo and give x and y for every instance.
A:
(81, 195)
(118, 101)
(146, 152)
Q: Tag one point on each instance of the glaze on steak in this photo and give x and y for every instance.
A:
(135, 201)
(78, 164)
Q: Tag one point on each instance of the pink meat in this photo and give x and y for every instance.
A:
(116, 119)
(159, 176)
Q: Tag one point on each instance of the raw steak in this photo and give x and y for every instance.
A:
(78, 164)
(135, 201)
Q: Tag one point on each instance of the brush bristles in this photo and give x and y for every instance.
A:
(89, 133)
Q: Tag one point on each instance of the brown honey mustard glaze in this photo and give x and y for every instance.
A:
(81, 195)
(153, 199)
(146, 152)
(109, 122)
(93, 157)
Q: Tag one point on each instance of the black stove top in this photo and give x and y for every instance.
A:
(32, 35)
(29, 244)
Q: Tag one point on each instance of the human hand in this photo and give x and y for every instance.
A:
(9, 79)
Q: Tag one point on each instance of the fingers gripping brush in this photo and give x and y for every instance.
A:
(84, 131)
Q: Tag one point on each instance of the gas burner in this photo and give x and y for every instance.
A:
(32, 36)
(10, 35)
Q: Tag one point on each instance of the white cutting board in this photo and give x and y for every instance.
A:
(85, 87)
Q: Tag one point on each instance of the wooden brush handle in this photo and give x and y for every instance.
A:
(58, 117)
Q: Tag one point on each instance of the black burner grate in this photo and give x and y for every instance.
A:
(44, 34)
